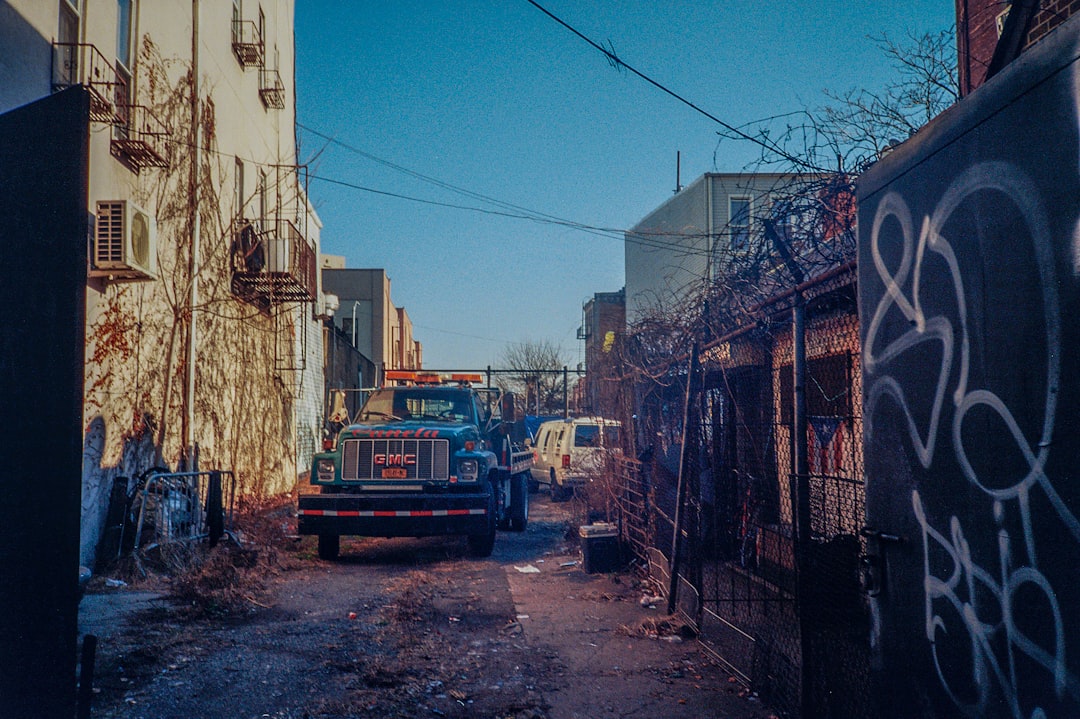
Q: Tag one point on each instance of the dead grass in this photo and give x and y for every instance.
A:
(653, 628)
(226, 580)
(413, 601)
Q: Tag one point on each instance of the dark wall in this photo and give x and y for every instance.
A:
(346, 367)
(968, 262)
(43, 200)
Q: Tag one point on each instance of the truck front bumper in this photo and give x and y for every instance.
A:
(393, 515)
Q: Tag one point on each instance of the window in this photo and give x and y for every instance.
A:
(587, 435)
(123, 33)
(238, 188)
(739, 223)
(68, 37)
(784, 218)
(123, 94)
(69, 22)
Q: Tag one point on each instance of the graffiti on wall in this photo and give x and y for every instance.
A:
(995, 621)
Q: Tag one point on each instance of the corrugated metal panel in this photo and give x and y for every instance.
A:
(666, 252)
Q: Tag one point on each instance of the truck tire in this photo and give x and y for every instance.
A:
(519, 503)
(481, 545)
(329, 546)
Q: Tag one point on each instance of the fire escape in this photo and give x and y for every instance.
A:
(247, 43)
(138, 135)
(274, 269)
(249, 47)
(272, 263)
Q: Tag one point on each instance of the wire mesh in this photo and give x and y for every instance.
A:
(788, 620)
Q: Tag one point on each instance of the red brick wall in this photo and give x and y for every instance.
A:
(977, 33)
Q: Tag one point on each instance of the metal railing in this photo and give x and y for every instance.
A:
(186, 506)
(271, 89)
(273, 264)
(247, 43)
(139, 137)
(83, 64)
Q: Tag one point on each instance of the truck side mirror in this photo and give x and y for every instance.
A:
(509, 410)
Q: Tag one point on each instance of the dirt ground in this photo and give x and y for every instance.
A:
(410, 628)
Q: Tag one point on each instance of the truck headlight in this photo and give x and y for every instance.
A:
(468, 470)
(325, 470)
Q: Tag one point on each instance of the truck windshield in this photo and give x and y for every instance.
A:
(412, 404)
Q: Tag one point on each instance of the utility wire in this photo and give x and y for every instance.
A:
(617, 62)
(433, 180)
(647, 238)
(655, 240)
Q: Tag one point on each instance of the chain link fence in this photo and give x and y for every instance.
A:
(715, 495)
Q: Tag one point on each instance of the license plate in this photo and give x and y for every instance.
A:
(395, 473)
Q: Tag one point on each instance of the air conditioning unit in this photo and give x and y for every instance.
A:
(125, 242)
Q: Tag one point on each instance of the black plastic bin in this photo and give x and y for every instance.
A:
(599, 548)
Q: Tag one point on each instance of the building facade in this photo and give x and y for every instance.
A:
(686, 243)
(603, 324)
(367, 315)
(202, 349)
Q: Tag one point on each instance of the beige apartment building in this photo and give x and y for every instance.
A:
(203, 348)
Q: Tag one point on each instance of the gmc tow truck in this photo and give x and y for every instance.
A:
(427, 454)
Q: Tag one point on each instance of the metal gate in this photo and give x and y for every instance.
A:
(780, 608)
(185, 506)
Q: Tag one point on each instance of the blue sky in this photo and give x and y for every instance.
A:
(494, 98)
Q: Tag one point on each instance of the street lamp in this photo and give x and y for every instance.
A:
(354, 304)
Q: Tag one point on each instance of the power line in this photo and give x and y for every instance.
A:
(514, 212)
(652, 239)
(618, 62)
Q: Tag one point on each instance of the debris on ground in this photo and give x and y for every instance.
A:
(670, 629)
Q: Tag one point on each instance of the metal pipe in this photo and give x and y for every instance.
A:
(353, 325)
(687, 459)
(801, 471)
(193, 269)
(566, 392)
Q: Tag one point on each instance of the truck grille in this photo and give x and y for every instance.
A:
(420, 458)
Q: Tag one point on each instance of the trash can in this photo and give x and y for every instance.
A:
(599, 547)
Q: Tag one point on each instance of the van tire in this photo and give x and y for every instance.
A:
(558, 492)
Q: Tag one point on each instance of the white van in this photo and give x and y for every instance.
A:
(566, 451)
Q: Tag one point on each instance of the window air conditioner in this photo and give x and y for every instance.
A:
(125, 242)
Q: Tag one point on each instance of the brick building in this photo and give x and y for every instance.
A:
(979, 24)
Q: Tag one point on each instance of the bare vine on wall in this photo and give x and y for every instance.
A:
(138, 332)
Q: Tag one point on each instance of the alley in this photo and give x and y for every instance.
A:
(414, 628)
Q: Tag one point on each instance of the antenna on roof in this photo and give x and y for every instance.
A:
(678, 171)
